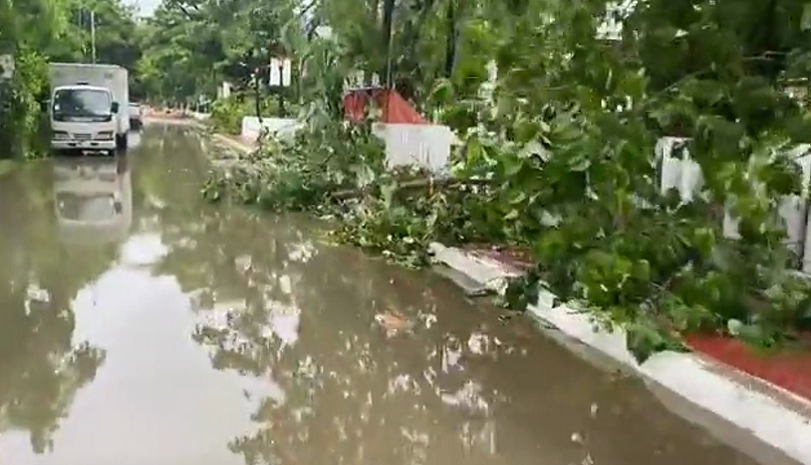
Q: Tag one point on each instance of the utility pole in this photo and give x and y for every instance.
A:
(93, 35)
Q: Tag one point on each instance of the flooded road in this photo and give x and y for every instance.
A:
(140, 326)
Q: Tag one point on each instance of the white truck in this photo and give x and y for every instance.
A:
(89, 107)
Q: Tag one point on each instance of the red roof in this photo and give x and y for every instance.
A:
(395, 108)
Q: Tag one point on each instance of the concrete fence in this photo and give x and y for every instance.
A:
(680, 172)
(425, 145)
(283, 128)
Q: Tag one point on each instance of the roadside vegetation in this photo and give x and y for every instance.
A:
(227, 113)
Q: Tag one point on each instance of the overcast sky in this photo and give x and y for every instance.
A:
(146, 6)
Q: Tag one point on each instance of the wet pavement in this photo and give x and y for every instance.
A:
(140, 326)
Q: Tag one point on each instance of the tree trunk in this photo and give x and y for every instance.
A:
(450, 50)
(388, 18)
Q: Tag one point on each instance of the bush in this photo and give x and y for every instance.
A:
(227, 114)
(19, 109)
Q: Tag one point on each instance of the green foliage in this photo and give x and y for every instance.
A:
(559, 157)
(642, 258)
(300, 174)
(192, 46)
(20, 112)
(24, 29)
(227, 114)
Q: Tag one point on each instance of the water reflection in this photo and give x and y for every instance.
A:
(134, 140)
(42, 364)
(375, 364)
(92, 199)
(282, 310)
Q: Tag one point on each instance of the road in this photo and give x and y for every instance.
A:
(139, 325)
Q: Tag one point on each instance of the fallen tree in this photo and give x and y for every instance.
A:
(588, 207)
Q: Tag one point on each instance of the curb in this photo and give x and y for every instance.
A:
(233, 144)
(770, 413)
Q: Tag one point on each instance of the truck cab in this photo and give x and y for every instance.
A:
(83, 117)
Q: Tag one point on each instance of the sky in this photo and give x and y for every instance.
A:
(146, 6)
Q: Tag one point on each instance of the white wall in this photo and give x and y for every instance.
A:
(425, 145)
(279, 127)
(679, 172)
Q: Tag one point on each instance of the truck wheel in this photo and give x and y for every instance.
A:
(121, 142)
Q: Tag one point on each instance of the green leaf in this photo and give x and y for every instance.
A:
(442, 92)
(525, 130)
(579, 163)
(643, 341)
(474, 152)
(520, 197)
(642, 270)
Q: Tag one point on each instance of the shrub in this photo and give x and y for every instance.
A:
(19, 109)
(227, 114)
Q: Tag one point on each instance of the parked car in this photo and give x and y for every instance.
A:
(136, 116)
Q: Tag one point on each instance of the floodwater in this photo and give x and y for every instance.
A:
(140, 326)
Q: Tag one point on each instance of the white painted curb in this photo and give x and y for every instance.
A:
(233, 144)
(687, 375)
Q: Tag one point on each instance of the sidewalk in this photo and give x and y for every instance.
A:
(762, 406)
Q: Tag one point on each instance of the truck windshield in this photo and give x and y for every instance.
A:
(82, 103)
